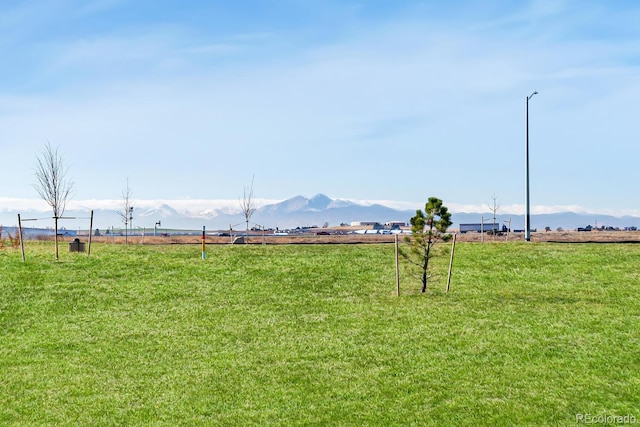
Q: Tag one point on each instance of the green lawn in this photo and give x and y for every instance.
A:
(530, 334)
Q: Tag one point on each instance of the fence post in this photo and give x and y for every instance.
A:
(397, 268)
(90, 232)
(453, 249)
(21, 239)
(204, 253)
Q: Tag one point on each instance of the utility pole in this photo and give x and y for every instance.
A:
(527, 215)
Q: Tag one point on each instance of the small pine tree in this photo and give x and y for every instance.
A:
(428, 227)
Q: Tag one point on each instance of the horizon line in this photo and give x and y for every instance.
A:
(200, 206)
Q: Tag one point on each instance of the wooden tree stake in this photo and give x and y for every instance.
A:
(453, 249)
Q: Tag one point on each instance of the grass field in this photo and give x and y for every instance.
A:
(531, 334)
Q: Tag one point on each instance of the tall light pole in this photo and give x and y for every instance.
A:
(527, 215)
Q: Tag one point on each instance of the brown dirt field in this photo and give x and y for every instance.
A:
(560, 237)
(310, 238)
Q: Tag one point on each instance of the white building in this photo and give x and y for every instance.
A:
(363, 223)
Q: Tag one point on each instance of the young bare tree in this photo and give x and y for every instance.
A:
(248, 205)
(494, 208)
(52, 183)
(126, 214)
(427, 229)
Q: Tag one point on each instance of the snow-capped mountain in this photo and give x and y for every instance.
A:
(317, 203)
(298, 211)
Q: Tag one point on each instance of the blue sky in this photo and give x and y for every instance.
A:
(361, 100)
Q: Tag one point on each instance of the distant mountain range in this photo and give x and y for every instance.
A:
(299, 211)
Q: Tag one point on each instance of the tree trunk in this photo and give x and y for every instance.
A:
(425, 269)
(55, 221)
(425, 265)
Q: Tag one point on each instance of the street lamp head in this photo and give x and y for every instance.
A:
(531, 96)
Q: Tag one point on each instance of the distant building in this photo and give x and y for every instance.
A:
(481, 227)
(364, 223)
(396, 223)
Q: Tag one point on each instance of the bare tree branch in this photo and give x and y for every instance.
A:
(247, 204)
(52, 184)
(494, 208)
(127, 210)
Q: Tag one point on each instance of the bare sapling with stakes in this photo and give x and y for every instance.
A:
(52, 184)
(126, 214)
(248, 206)
(494, 209)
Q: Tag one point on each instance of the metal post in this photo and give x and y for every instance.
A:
(527, 215)
(397, 267)
(453, 249)
(21, 238)
(90, 228)
(204, 253)
(131, 220)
